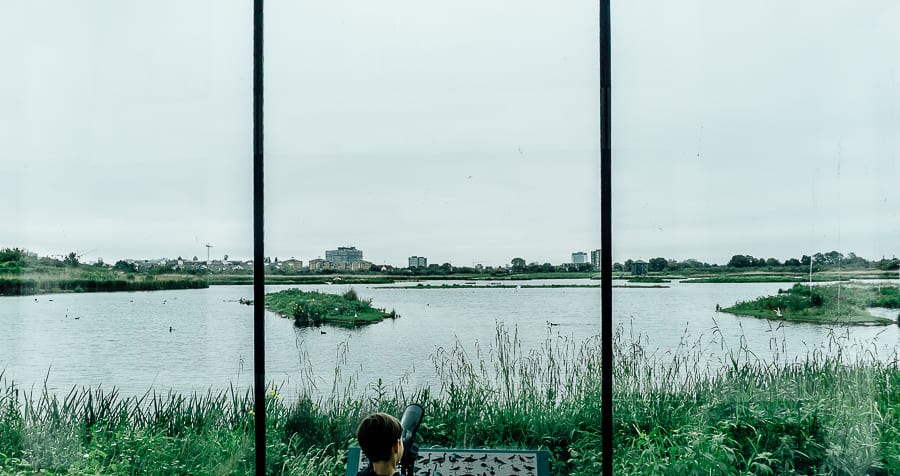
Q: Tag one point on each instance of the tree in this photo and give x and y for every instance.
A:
(888, 264)
(71, 259)
(691, 263)
(657, 264)
(741, 261)
(518, 264)
(11, 255)
(851, 260)
(834, 258)
(772, 262)
(125, 266)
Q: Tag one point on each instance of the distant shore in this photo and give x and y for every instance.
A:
(31, 286)
(87, 278)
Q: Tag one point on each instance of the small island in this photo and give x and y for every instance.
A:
(312, 308)
(831, 304)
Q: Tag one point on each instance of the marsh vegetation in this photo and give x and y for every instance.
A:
(825, 414)
(829, 304)
(315, 308)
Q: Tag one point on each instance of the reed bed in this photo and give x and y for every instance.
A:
(833, 412)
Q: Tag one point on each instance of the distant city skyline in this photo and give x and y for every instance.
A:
(402, 263)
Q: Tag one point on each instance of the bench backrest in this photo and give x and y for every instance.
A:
(463, 462)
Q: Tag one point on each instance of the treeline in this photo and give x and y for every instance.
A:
(820, 262)
(20, 286)
(448, 269)
(15, 261)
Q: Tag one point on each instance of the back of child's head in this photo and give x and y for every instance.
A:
(376, 434)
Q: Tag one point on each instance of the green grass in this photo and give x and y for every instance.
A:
(765, 278)
(95, 431)
(489, 286)
(825, 414)
(30, 285)
(218, 279)
(649, 279)
(546, 275)
(845, 304)
(314, 308)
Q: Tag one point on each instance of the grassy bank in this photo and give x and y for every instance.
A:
(315, 308)
(509, 286)
(766, 278)
(95, 431)
(826, 414)
(220, 279)
(649, 279)
(831, 304)
(42, 285)
(489, 286)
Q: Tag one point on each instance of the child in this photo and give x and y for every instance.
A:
(379, 439)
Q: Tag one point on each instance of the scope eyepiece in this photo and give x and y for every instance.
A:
(409, 423)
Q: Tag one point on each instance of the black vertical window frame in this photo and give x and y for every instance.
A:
(605, 240)
(606, 422)
(259, 268)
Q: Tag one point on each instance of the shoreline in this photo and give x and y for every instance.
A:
(32, 287)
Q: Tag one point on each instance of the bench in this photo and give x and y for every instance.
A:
(465, 462)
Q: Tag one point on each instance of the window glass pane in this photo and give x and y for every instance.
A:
(747, 139)
(125, 136)
(440, 141)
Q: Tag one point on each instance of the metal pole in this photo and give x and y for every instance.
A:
(606, 422)
(259, 268)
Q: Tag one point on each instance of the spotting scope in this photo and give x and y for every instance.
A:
(409, 422)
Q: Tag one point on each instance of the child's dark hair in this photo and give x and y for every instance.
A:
(376, 434)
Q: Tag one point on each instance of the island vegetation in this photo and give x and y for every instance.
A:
(826, 304)
(315, 308)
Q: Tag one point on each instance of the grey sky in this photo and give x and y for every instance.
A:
(463, 131)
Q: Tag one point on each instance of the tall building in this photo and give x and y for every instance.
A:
(579, 257)
(595, 258)
(344, 255)
(418, 262)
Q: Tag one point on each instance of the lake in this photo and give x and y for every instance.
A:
(124, 340)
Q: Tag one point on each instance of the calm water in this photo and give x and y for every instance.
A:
(124, 339)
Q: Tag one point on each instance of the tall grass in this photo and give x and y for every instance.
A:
(675, 413)
(26, 286)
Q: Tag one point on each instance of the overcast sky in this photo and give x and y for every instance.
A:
(464, 131)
